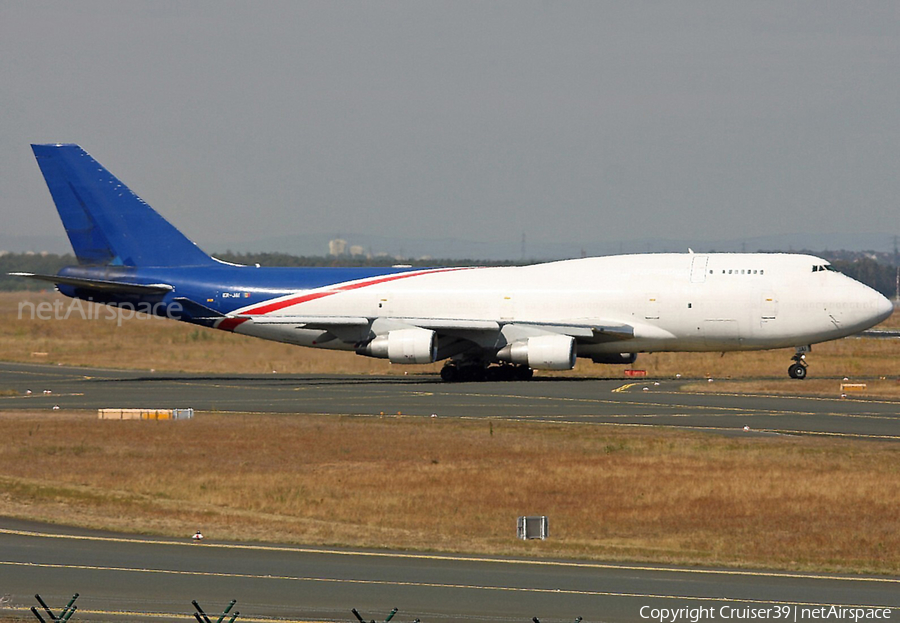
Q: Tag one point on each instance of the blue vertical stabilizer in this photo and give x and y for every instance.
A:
(105, 221)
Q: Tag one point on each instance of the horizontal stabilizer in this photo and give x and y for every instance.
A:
(102, 285)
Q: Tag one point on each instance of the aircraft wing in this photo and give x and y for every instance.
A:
(309, 321)
(102, 284)
(586, 330)
(325, 322)
(583, 330)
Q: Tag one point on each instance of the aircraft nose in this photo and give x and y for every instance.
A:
(866, 308)
(884, 307)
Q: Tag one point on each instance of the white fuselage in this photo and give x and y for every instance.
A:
(673, 302)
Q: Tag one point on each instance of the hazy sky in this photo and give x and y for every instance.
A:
(479, 120)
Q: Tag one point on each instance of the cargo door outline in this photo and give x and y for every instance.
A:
(651, 311)
(768, 308)
(507, 309)
(698, 268)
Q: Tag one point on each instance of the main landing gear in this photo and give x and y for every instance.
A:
(453, 373)
(798, 368)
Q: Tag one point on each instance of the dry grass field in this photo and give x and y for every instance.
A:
(168, 345)
(450, 485)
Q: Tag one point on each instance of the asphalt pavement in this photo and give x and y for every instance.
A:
(607, 401)
(119, 576)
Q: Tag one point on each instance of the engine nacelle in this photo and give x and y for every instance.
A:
(543, 352)
(615, 358)
(404, 346)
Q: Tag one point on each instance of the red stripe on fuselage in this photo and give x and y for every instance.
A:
(265, 309)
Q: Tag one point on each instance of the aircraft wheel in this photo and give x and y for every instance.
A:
(524, 373)
(797, 371)
(469, 374)
(449, 374)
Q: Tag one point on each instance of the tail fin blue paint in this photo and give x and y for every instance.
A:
(105, 221)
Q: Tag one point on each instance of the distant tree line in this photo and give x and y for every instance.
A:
(880, 275)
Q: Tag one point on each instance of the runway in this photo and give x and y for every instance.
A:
(648, 403)
(116, 574)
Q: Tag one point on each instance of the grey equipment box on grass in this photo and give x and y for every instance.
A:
(533, 527)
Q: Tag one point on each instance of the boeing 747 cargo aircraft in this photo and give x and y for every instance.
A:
(499, 323)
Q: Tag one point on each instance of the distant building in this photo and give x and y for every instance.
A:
(337, 247)
(357, 250)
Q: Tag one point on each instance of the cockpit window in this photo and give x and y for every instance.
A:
(816, 269)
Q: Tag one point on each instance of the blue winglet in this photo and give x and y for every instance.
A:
(105, 221)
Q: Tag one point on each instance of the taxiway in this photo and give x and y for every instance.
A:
(599, 401)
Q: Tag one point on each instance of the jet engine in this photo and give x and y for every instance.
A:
(543, 352)
(616, 358)
(404, 346)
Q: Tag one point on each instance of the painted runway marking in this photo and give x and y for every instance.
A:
(513, 589)
(450, 558)
(791, 397)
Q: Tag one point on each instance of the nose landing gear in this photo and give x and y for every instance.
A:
(797, 370)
